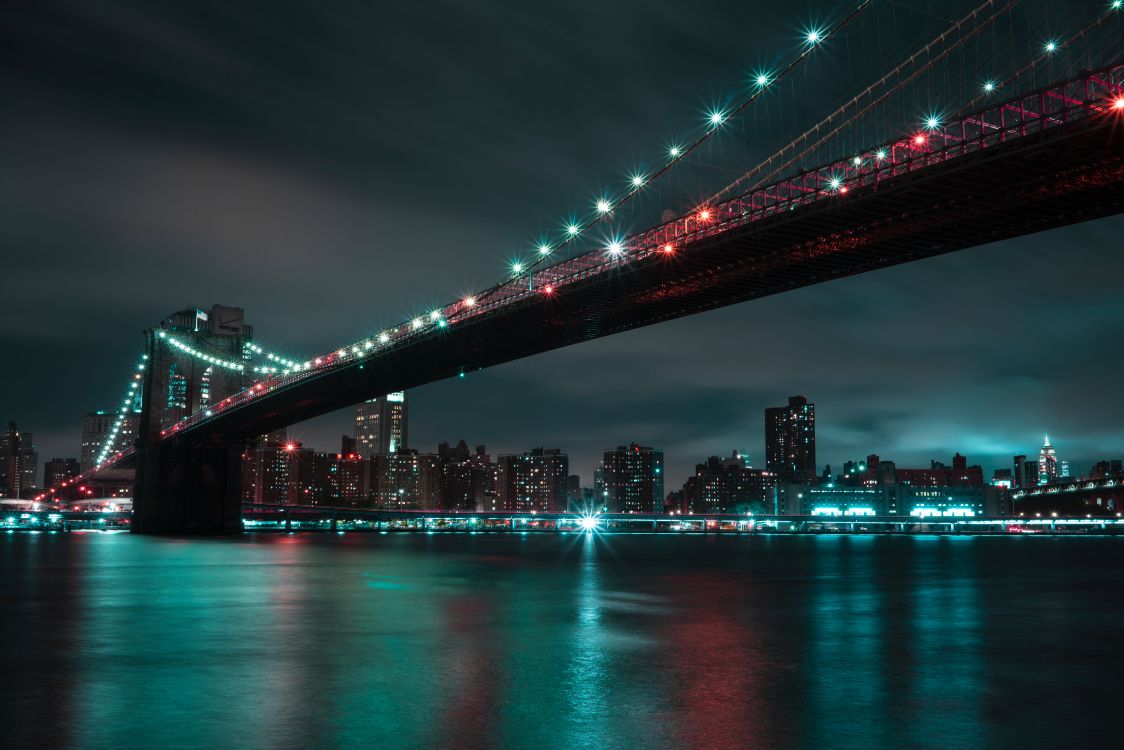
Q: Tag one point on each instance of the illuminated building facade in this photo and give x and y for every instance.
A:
(1047, 463)
(533, 481)
(19, 463)
(790, 440)
(728, 485)
(633, 479)
(382, 425)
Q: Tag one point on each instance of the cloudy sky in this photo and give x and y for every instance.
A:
(335, 167)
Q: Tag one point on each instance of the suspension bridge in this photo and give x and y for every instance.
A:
(1033, 144)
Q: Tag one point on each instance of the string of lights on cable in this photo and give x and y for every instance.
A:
(128, 404)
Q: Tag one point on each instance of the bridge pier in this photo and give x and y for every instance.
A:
(188, 490)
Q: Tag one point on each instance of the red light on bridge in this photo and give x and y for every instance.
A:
(1118, 103)
(704, 215)
(548, 289)
(843, 189)
(919, 139)
(668, 248)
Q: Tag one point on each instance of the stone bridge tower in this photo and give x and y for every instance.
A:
(195, 358)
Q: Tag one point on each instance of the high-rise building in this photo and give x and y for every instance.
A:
(790, 440)
(97, 426)
(1047, 463)
(468, 478)
(533, 481)
(728, 485)
(95, 429)
(1026, 473)
(382, 425)
(19, 463)
(406, 479)
(57, 470)
(633, 479)
(266, 469)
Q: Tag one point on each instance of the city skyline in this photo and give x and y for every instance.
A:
(1044, 466)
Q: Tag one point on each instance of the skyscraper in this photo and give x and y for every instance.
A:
(1047, 463)
(790, 440)
(19, 463)
(633, 479)
(382, 425)
(95, 429)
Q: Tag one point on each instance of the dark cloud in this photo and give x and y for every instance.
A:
(333, 167)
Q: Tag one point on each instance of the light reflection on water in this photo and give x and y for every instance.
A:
(545, 641)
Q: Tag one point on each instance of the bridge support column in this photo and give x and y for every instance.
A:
(194, 490)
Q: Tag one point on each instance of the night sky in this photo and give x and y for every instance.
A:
(339, 167)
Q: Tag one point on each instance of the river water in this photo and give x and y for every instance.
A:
(543, 641)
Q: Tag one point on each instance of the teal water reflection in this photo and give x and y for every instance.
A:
(558, 642)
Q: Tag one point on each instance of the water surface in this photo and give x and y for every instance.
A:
(543, 641)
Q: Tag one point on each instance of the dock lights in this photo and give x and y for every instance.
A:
(588, 523)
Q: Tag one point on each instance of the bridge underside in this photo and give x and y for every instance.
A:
(1057, 177)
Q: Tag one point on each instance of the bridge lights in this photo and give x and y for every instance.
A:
(1118, 104)
(988, 87)
(470, 302)
(544, 249)
(383, 338)
(919, 139)
(615, 248)
(704, 214)
(637, 181)
(932, 122)
(517, 267)
(669, 248)
(674, 152)
(572, 229)
(813, 36)
(1117, 4)
(716, 118)
(1050, 47)
(416, 323)
(588, 523)
(548, 289)
(857, 161)
(835, 182)
(762, 80)
(880, 154)
(603, 206)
